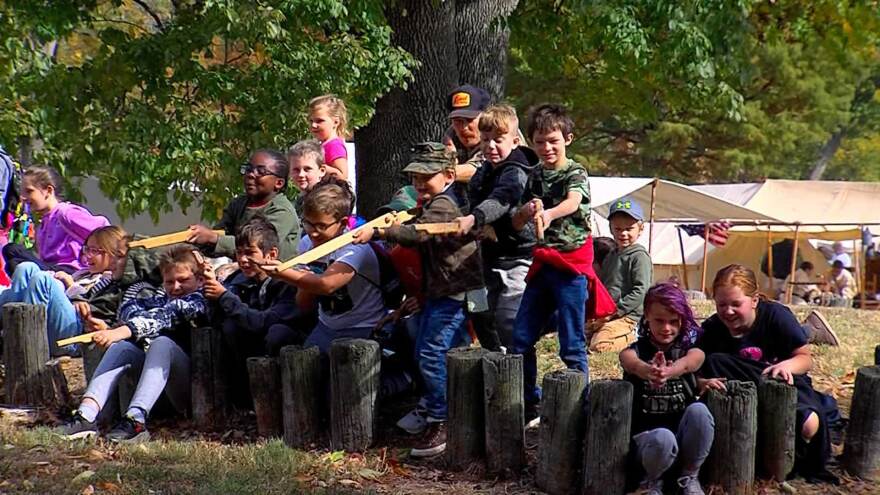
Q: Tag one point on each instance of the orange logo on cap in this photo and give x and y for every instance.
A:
(460, 100)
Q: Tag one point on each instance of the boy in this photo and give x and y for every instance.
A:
(265, 177)
(558, 279)
(495, 192)
(627, 273)
(452, 284)
(152, 339)
(307, 168)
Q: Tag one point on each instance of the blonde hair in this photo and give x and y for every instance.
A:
(736, 276)
(498, 118)
(109, 239)
(307, 148)
(43, 177)
(336, 108)
(179, 254)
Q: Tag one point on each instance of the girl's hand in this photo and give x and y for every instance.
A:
(199, 234)
(779, 371)
(65, 278)
(83, 309)
(705, 384)
(465, 224)
(362, 236)
(106, 337)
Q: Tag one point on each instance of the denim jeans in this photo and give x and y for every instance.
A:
(659, 448)
(551, 290)
(442, 326)
(322, 336)
(31, 285)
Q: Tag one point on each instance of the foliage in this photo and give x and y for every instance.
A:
(156, 95)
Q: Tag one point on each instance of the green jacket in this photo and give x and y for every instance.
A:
(278, 211)
(627, 274)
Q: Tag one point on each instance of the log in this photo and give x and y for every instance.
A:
(354, 388)
(731, 462)
(561, 433)
(861, 451)
(302, 391)
(777, 415)
(55, 383)
(466, 424)
(25, 353)
(265, 379)
(210, 400)
(607, 436)
(505, 433)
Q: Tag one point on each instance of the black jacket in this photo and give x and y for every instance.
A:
(255, 306)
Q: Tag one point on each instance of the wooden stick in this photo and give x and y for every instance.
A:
(83, 338)
(705, 258)
(684, 267)
(794, 253)
(539, 221)
(438, 228)
(857, 265)
(770, 263)
(164, 240)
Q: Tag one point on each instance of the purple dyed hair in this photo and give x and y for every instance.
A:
(674, 300)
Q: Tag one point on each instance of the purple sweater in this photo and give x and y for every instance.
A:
(63, 231)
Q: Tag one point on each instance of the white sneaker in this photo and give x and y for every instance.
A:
(690, 485)
(415, 421)
(653, 487)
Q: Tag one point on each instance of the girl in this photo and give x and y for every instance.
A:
(668, 423)
(750, 337)
(63, 226)
(328, 122)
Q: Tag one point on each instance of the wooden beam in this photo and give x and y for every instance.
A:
(705, 257)
(794, 252)
(83, 338)
(166, 239)
(770, 263)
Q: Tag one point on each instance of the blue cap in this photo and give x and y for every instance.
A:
(627, 206)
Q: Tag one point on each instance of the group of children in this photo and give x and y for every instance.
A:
(522, 262)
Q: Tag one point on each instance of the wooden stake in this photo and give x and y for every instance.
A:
(607, 437)
(354, 390)
(209, 364)
(505, 434)
(861, 451)
(794, 252)
(466, 425)
(166, 239)
(25, 352)
(265, 379)
(302, 392)
(777, 408)
(731, 462)
(561, 433)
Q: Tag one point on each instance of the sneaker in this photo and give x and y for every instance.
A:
(129, 431)
(653, 487)
(433, 442)
(415, 421)
(78, 427)
(532, 415)
(690, 485)
(820, 330)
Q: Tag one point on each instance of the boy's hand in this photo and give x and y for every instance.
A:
(213, 288)
(95, 324)
(362, 236)
(199, 234)
(65, 278)
(465, 224)
(83, 309)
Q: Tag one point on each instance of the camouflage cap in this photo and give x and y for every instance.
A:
(430, 158)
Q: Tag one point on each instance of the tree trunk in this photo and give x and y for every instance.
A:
(209, 384)
(606, 442)
(777, 415)
(826, 154)
(302, 392)
(25, 352)
(505, 435)
(265, 380)
(481, 37)
(861, 451)
(561, 434)
(354, 387)
(466, 425)
(731, 463)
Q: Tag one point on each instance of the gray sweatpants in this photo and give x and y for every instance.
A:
(164, 367)
(659, 448)
(506, 282)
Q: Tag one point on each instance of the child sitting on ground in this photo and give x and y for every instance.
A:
(307, 168)
(668, 424)
(627, 273)
(265, 179)
(152, 339)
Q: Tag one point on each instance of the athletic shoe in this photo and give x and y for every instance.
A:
(690, 485)
(129, 431)
(820, 330)
(654, 487)
(78, 427)
(532, 415)
(415, 421)
(433, 441)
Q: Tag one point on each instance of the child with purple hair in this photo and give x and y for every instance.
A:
(668, 423)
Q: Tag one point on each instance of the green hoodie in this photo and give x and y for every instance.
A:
(278, 211)
(627, 274)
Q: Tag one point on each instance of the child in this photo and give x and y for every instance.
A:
(328, 122)
(307, 167)
(346, 282)
(63, 226)
(265, 177)
(668, 424)
(153, 340)
(452, 283)
(496, 192)
(627, 273)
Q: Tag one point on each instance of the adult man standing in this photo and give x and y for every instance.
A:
(465, 104)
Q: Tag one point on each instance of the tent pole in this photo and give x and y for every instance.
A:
(770, 263)
(705, 257)
(857, 259)
(684, 266)
(794, 252)
(653, 204)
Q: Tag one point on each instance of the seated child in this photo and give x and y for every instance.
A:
(152, 340)
(265, 178)
(627, 273)
(62, 229)
(307, 168)
(668, 424)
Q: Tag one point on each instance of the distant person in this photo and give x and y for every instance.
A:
(841, 255)
(465, 104)
(841, 287)
(804, 289)
(328, 123)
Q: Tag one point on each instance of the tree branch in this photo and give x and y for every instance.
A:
(152, 14)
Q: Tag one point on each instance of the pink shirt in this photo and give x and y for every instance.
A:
(333, 149)
(63, 231)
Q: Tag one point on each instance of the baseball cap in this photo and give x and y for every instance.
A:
(627, 206)
(467, 101)
(404, 199)
(429, 158)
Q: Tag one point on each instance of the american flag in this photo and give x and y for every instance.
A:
(718, 232)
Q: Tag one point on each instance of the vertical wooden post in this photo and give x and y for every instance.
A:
(857, 264)
(302, 392)
(861, 451)
(209, 382)
(606, 442)
(654, 186)
(770, 263)
(705, 258)
(794, 252)
(354, 388)
(505, 433)
(561, 433)
(265, 380)
(877, 355)
(731, 462)
(466, 425)
(25, 352)
(777, 411)
(684, 266)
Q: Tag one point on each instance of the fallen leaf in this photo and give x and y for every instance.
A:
(41, 463)
(349, 483)
(108, 486)
(95, 455)
(83, 476)
(89, 490)
(370, 474)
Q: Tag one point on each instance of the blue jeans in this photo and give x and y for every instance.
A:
(442, 326)
(322, 336)
(551, 290)
(31, 285)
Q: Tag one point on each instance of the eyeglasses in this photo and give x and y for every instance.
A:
(257, 170)
(319, 227)
(90, 251)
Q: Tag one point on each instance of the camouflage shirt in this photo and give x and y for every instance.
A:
(552, 187)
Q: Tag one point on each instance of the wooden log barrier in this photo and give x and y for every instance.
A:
(25, 353)
(265, 379)
(777, 415)
(354, 389)
(607, 436)
(505, 435)
(302, 393)
(861, 451)
(731, 462)
(210, 398)
(561, 433)
(877, 356)
(466, 424)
